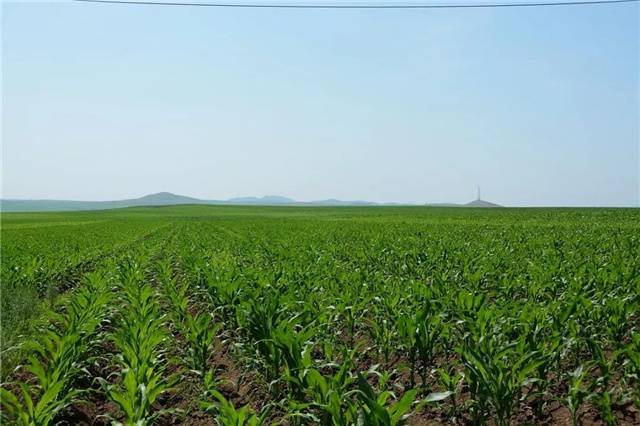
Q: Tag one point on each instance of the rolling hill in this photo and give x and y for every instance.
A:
(169, 199)
(159, 199)
(165, 199)
(481, 203)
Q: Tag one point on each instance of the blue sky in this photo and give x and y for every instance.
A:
(539, 106)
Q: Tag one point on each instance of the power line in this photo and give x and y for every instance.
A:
(354, 6)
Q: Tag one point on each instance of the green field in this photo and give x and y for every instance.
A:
(321, 316)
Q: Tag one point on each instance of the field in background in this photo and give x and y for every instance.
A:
(314, 315)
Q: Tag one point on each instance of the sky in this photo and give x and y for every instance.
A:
(538, 106)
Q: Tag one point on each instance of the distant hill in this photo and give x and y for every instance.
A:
(481, 203)
(334, 202)
(166, 199)
(266, 200)
(48, 205)
(159, 199)
(169, 199)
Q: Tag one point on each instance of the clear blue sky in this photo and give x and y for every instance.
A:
(539, 106)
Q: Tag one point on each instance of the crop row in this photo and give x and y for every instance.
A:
(375, 320)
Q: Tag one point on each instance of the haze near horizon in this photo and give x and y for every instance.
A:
(539, 106)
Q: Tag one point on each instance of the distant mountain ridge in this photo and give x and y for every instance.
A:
(267, 199)
(159, 199)
(169, 199)
(443, 205)
(163, 199)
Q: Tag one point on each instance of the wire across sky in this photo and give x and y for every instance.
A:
(359, 6)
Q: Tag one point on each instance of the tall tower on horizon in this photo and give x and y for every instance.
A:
(478, 192)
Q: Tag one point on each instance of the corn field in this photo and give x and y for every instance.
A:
(330, 316)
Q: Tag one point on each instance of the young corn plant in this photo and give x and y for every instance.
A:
(331, 393)
(331, 396)
(601, 390)
(61, 357)
(225, 292)
(429, 330)
(382, 334)
(200, 333)
(376, 411)
(280, 342)
(353, 310)
(26, 413)
(617, 312)
(139, 335)
(258, 322)
(537, 337)
(576, 395)
(226, 414)
(632, 367)
(176, 294)
(382, 328)
(408, 331)
(497, 375)
(451, 381)
(292, 341)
